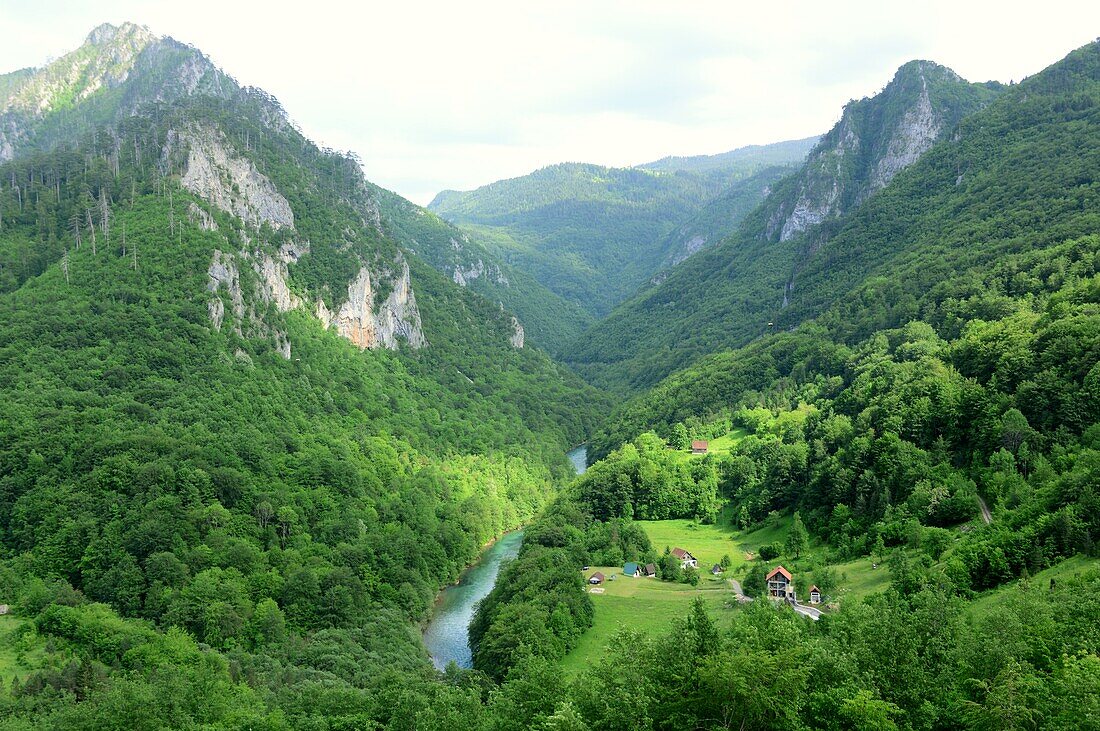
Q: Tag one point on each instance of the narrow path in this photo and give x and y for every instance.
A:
(987, 516)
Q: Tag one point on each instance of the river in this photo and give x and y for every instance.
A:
(447, 635)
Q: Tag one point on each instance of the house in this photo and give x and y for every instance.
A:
(716, 569)
(780, 584)
(685, 558)
(631, 569)
(4, 609)
(699, 446)
(815, 595)
(649, 570)
(596, 578)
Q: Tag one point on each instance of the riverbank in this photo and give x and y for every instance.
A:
(446, 635)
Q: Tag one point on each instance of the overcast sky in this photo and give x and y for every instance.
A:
(436, 95)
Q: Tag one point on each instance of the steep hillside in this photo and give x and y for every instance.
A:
(594, 234)
(545, 318)
(727, 295)
(240, 420)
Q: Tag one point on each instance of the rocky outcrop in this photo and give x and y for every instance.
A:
(216, 173)
(396, 319)
(463, 275)
(273, 275)
(201, 217)
(517, 333)
(918, 130)
(223, 274)
(875, 139)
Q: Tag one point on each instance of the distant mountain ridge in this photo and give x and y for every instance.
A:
(593, 234)
(727, 295)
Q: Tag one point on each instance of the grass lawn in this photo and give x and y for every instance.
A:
(856, 579)
(721, 445)
(1039, 582)
(644, 604)
(17, 658)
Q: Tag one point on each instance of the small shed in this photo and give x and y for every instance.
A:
(649, 570)
(815, 595)
(716, 569)
(700, 446)
(631, 569)
(596, 578)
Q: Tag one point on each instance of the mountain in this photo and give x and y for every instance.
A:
(594, 234)
(912, 452)
(545, 318)
(247, 434)
(740, 162)
(728, 295)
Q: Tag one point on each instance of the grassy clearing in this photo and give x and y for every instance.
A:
(1040, 582)
(644, 604)
(721, 445)
(20, 652)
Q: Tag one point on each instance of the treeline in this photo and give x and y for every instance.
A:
(648, 481)
(538, 607)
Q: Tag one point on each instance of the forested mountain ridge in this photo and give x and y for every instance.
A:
(726, 295)
(243, 427)
(594, 234)
(547, 319)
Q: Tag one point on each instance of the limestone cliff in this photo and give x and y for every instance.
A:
(396, 319)
(517, 333)
(215, 172)
(875, 139)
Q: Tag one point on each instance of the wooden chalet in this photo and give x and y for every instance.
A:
(780, 583)
(815, 595)
(699, 446)
(649, 570)
(596, 578)
(631, 569)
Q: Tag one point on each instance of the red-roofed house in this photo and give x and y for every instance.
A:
(699, 446)
(685, 558)
(780, 583)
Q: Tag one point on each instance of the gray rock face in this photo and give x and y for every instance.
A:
(517, 333)
(274, 275)
(918, 130)
(232, 183)
(396, 319)
(224, 274)
(875, 139)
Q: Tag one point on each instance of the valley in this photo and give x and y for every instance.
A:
(802, 435)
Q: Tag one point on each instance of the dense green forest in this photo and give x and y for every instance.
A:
(773, 274)
(594, 234)
(226, 502)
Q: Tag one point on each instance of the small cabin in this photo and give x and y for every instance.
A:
(815, 595)
(700, 446)
(631, 569)
(596, 578)
(780, 583)
(716, 569)
(649, 570)
(685, 558)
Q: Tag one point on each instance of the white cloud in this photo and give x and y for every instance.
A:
(439, 95)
